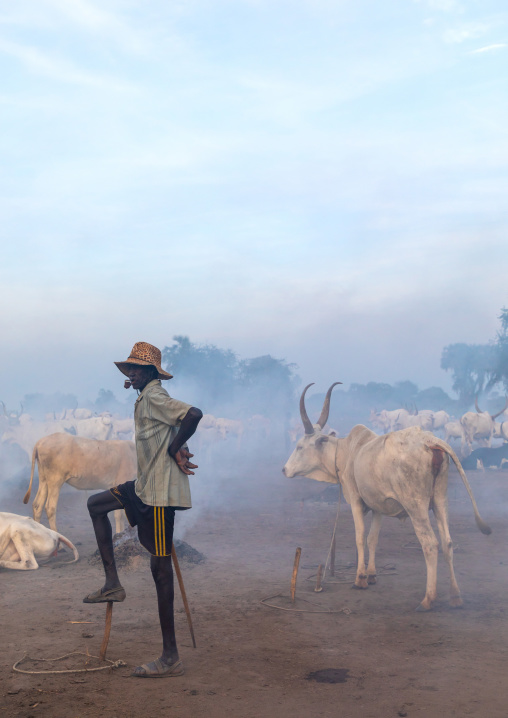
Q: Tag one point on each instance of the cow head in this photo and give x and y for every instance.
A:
(314, 455)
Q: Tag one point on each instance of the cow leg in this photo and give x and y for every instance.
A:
(429, 544)
(440, 513)
(359, 521)
(52, 503)
(26, 560)
(40, 498)
(372, 540)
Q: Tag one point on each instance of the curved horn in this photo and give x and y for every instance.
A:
(326, 406)
(307, 425)
(477, 407)
(502, 410)
(416, 409)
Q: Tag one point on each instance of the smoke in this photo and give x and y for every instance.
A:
(14, 470)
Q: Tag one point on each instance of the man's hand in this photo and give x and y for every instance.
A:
(182, 457)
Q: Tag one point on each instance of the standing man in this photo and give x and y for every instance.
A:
(162, 426)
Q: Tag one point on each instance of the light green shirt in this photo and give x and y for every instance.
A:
(157, 419)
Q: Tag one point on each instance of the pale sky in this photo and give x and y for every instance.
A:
(324, 181)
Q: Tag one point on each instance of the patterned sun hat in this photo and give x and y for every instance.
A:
(144, 354)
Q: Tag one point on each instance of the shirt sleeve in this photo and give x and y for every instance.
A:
(165, 409)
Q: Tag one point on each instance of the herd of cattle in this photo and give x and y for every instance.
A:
(480, 426)
(401, 473)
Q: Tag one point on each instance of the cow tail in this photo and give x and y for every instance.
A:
(35, 458)
(438, 444)
(70, 545)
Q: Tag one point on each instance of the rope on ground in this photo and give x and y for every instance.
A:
(112, 664)
(264, 601)
(387, 570)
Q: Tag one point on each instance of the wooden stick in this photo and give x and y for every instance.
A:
(107, 630)
(182, 591)
(332, 558)
(295, 573)
(318, 578)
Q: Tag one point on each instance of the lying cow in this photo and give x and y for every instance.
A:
(485, 457)
(403, 473)
(23, 541)
(83, 463)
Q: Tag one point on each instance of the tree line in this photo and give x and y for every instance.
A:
(221, 383)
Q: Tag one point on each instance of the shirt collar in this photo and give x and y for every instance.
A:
(154, 382)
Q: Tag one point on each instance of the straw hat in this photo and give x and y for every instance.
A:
(144, 354)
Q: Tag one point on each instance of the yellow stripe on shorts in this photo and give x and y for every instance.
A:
(163, 533)
(155, 529)
(160, 531)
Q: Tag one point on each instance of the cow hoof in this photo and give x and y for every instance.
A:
(371, 580)
(360, 587)
(422, 607)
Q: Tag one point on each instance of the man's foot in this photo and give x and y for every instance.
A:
(101, 596)
(159, 669)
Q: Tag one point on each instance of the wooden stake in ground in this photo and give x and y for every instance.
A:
(182, 591)
(332, 557)
(295, 573)
(107, 630)
(318, 578)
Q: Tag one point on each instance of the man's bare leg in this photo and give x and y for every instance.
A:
(162, 572)
(99, 506)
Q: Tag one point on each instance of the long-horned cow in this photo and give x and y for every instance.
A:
(480, 426)
(80, 462)
(404, 473)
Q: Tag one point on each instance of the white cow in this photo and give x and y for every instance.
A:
(455, 430)
(500, 430)
(480, 426)
(23, 541)
(439, 420)
(96, 427)
(401, 474)
(388, 420)
(423, 419)
(123, 428)
(83, 463)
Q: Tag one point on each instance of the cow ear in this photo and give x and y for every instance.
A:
(321, 439)
(332, 433)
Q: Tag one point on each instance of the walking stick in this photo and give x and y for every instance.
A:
(182, 591)
(107, 629)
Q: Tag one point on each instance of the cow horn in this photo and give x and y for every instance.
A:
(502, 410)
(307, 424)
(326, 406)
(477, 407)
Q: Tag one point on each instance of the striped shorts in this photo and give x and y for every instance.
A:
(155, 523)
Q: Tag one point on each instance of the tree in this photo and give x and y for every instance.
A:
(500, 370)
(269, 385)
(219, 383)
(472, 367)
(207, 372)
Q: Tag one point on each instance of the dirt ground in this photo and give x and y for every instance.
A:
(254, 661)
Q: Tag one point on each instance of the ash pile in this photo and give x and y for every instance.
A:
(128, 549)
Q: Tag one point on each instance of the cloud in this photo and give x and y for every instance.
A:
(96, 20)
(489, 48)
(465, 32)
(57, 68)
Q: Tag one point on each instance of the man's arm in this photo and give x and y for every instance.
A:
(187, 428)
